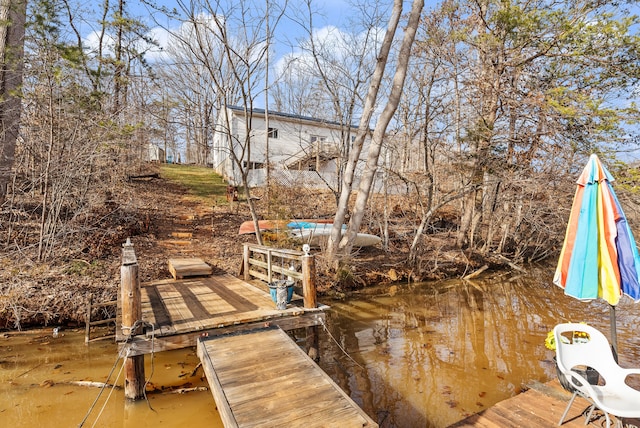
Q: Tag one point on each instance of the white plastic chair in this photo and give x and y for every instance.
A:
(574, 351)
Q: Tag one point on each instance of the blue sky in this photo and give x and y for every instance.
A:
(335, 13)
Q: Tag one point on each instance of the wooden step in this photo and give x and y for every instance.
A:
(174, 242)
(186, 267)
(182, 235)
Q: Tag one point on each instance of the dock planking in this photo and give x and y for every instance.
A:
(264, 379)
(541, 405)
(182, 310)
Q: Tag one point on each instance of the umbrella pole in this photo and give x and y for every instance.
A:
(614, 333)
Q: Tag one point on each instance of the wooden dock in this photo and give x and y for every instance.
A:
(258, 375)
(277, 386)
(541, 405)
(177, 312)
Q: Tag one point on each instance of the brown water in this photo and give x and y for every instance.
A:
(424, 355)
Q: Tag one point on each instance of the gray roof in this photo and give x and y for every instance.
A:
(290, 116)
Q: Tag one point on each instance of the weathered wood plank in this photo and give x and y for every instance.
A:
(177, 310)
(188, 267)
(224, 408)
(264, 379)
(542, 406)
(205, 305)
(140, 345)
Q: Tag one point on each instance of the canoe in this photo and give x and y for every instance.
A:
(314, 232)
(248, 227)
(314, 225)
(318, 236)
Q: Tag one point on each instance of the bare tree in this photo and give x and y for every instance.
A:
(366, 181)
(327, 78)
(12, 30)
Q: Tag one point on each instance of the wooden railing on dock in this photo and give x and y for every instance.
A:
(269, 264)
(90, 307)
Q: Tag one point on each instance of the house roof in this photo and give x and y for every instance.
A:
(291, 116)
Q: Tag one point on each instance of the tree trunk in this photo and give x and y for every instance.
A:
(346, 244)
(354, 154)
(12, 16)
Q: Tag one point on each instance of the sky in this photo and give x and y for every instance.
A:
(335, 14)
(330, 12)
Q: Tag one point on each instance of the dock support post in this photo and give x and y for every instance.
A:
(245, 262)
(87, 331)
(309, 279)
(312, 343)
(131, 312)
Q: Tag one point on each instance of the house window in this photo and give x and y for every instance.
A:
(273, 132)
(252, 165)
(315, 138)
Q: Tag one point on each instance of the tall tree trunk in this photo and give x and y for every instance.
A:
(346, 244)
(119, 64)
(363, 130)
(12, 22)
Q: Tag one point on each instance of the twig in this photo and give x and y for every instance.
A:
(185, 390)
(193, 373)
(476, 273)
(92, 384)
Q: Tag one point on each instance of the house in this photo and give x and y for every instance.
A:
(301, 149)
(155, 153)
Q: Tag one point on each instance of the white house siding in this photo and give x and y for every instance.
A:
(155, 153)
(292, 145)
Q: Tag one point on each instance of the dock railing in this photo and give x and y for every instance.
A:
(269, 264)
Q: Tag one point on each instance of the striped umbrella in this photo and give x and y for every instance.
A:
(599, 257)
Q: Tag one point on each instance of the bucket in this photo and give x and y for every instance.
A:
(281, 292)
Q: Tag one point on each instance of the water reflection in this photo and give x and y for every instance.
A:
(436, 352)
(426, 356)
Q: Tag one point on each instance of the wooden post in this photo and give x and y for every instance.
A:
(245, 260)
(87, 332)
(309, 280)
(131, 312)
(312, 343)
(269, 267)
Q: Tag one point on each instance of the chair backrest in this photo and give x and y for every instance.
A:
(583, 346)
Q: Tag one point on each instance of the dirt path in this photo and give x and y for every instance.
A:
(180, 226)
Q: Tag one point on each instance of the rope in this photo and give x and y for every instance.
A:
(153, 366)
(121, 356)
(338, 345)
(110, 393)
(102, 388)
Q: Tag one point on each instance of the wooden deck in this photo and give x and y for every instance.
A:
(541, 405)
(182, 310)
(264, 379)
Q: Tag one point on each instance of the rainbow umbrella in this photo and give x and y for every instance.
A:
(599, 257)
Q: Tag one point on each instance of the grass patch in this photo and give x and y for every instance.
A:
(202, 183)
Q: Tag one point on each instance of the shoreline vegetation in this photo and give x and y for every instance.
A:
(455, 133)
(170, 210)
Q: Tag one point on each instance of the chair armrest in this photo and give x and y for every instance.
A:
(581, 384)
